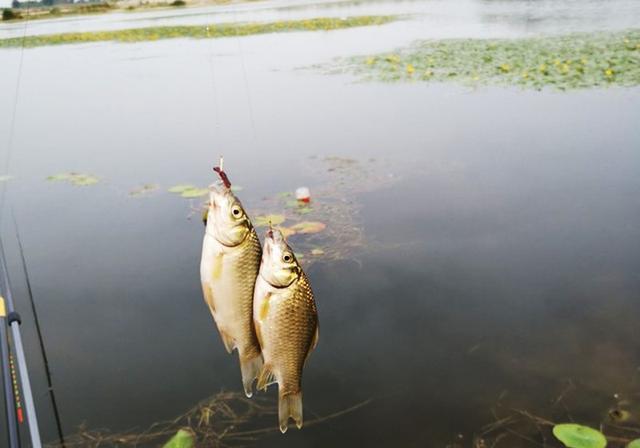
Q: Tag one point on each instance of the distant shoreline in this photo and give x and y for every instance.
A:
(13, 15)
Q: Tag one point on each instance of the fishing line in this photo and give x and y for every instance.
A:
(36, 321)
(244, 76)
(216, 109)
(7, 161)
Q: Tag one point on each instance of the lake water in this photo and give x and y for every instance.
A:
(502, 258)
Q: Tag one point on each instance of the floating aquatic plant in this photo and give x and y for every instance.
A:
(73, 178)
(308, 227)
(5, 178)
(571, 61)
(578, 436)
(184, 438)
(634, 444)
(199, 32)
(216, 422)
(144, 190)
(188, 191)
(265, 220)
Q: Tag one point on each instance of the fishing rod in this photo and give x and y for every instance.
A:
(36, 322)
(7, 378)
(13, 319)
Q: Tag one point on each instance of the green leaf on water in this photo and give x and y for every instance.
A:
(180, 188)
(285, 194)
(309, 227)
(77, 179)
(304, 210)
(317, 251)
(634, 444)
(579, 436)
(286, 231)
(182, 439)
(58, 177)
(194, 192)
(143, 190)
(263, 220)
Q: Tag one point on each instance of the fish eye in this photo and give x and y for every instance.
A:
(236, 211)
(287, 258)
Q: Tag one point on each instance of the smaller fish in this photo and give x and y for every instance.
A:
(286, 322)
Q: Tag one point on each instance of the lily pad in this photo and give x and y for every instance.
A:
(263, 220)
(309, 227)
(579, 436)
(180, 188)
(634, 444)
(286, 231)
(143, 190)
(5, 178)
(77, 179)
(195, 192)
(182, 439)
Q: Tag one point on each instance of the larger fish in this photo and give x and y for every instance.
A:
(286, 321)
(231, 254)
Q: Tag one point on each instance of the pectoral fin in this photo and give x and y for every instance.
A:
(228, 341)
(266, 377)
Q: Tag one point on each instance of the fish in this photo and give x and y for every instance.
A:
(286, 322)
(231, 255)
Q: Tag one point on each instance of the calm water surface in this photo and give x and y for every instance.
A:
(503, 261)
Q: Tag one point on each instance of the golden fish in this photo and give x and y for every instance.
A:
(229, 266)
(286, 321)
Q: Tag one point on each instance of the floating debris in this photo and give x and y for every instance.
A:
(76, 179)
(303, 194)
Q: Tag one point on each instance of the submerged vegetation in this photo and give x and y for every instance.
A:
(219, 421)
(197, 32)
(564, 62)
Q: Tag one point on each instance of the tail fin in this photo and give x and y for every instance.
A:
(290, 405)
(250, 369)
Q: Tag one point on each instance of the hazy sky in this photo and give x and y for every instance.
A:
(5, 3)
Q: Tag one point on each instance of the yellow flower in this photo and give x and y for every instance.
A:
(584, 61)
(608, 73)
(525, 75)
(565, 68)
(428, 73)
(543, 67)
(557, 62)
(505, 68)
(410, 69)
(371, 61)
